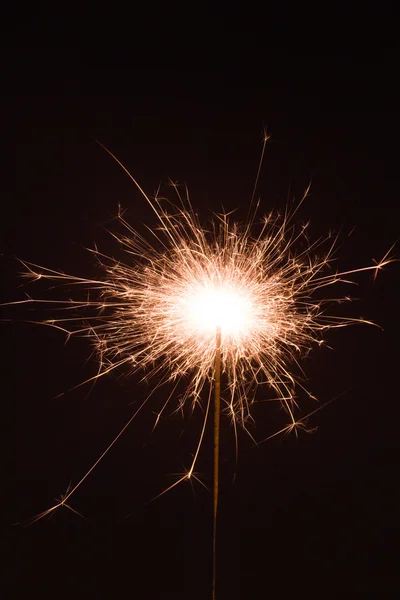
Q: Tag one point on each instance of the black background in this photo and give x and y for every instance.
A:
(189, 101)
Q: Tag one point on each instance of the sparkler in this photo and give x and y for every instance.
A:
(195, 302)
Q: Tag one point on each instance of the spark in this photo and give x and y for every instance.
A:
(157, 309)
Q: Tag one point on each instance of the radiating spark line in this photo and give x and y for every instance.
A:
(190, 473)
(69, 493)
(301, 422)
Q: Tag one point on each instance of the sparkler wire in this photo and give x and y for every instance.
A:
(217, 414)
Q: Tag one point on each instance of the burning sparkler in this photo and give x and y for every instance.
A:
(204, 302)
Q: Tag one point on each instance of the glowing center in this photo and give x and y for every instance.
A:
(224, 307)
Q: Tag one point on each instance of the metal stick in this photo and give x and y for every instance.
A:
(217, 412)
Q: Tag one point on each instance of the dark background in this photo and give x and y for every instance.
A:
(190, 102)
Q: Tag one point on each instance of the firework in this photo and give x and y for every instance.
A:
(159, 309)
(193, 302)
